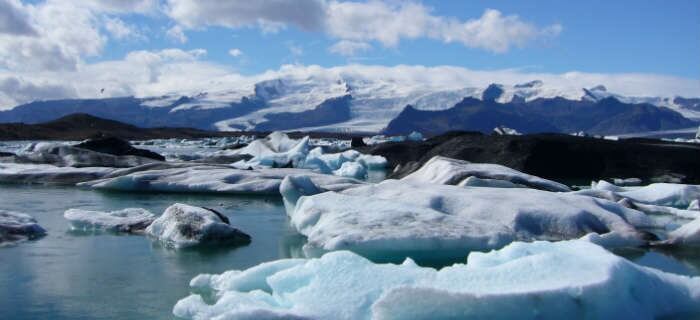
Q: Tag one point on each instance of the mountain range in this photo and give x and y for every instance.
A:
(356, 104)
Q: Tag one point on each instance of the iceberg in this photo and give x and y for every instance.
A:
(130, 220)
(662, 194)
(687, 234)
(694, 205)
(15, 227)
(208, 179)
(540, 280)
(276, 150)
(442, 170)
(397, 219)
(183, 226)
(351, 170)
(49, 174)
(64, 155)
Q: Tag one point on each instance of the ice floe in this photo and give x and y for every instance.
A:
(209, 179)
(396, 219)
(540, 280)
(183, 225)
(15, 226)
(64, 155)
(49, 174)
(687, 234)
(663, 194)
(442, 170)
(131, 220)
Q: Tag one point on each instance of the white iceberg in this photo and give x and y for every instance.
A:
(276, 150)
(15, 226)
(209, 179)
(663, 194)
(687, 234)
(396, 219)
(539, 280)
(694, 205)
(351, 170)
(183, 225)
(442, 170)
(49, 174)
(131, 220)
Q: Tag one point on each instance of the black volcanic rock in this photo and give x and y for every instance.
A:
(356, 142)
(607, 116)
(117, 147)
(552, 156)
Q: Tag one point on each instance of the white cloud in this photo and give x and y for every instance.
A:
(271, 14)
(295, 49)
(235, 52)
(13, 19)
(389, 24)
(349, 47)
(176, 34)
(386, 22)
(120, 30)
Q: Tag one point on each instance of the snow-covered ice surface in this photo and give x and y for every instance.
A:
(49, 174)
(540, 280)
(15, 227)
(131, 220)
(687, 234)
(397, 219)
(195, 178)
(183, 226)
(442, 170)
(663, 194)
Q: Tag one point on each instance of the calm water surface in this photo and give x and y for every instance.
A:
(68, 275)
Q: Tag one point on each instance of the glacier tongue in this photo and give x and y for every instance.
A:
(539, 280)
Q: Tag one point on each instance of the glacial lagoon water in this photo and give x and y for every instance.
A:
(77, 275)
(72, 275)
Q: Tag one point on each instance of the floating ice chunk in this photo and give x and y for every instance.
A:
(294, 187)
(209, 179)
(183, 225)
(276, 150)
(442, 170)
(62, 155)
(132, 220)
(49, 174)
(415, 136)
(372, 162)
(15, 226)
(627, 181)
(654, 209)
(328, 162)
(539, 280)
(663, 194)
(396, 219)
(351, 170)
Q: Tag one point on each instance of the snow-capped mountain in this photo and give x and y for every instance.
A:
(332, 100)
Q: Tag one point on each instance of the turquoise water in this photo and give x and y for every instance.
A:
(67, 275)
(70, 275)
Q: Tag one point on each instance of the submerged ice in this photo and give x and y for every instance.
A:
(539, 280)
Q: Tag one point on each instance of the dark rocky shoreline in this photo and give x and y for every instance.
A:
(552, 156)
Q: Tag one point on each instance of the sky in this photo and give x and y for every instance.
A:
(53, 49)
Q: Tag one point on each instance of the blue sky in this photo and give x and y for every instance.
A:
(53, 49)
(597, 36)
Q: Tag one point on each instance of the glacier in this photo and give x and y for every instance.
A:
(538, 280)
